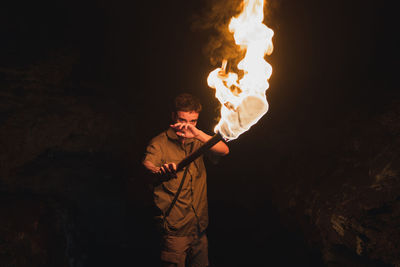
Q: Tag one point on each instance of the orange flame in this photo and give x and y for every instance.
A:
(243, 100)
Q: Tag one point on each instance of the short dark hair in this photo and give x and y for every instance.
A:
(186, 102)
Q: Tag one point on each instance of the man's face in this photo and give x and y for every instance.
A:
(189, 117)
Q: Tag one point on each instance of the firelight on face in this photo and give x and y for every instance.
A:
(186, 117)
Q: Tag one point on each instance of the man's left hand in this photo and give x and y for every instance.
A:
(185, 130)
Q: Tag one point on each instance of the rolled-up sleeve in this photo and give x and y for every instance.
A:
(153, 153)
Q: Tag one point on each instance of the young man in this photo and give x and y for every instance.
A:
(184, 242)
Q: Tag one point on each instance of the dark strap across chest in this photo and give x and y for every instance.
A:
(179, 188)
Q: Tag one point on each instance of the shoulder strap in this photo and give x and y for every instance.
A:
(179, 188)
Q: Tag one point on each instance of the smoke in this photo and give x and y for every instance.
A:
(214, 19)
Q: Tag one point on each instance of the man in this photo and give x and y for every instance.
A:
(183, 222)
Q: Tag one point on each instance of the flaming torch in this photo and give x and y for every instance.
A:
(243, 98)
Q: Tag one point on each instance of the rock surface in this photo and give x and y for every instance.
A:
(61, 175)
(342, 189)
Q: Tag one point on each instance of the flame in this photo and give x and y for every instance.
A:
(243, 100)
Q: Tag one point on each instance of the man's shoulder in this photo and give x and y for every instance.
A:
(160, 138)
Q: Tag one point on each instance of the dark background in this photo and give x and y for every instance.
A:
(91, 82)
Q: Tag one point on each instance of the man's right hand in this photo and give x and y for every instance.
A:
(168, 170)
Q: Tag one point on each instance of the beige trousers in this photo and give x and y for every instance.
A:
(185, 251)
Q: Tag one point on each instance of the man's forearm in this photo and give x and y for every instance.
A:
(150, 167)
(154, 176)
(219, 148)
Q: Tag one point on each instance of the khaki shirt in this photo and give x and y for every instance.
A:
(190, 212)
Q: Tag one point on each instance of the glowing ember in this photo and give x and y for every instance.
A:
(243, 100)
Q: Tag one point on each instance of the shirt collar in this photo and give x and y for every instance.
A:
(173, 136)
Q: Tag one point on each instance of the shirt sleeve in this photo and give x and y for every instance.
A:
(208, 155)
(153, 153)
(212, 157)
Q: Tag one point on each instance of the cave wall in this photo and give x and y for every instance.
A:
(66, 158)
(340, 186)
